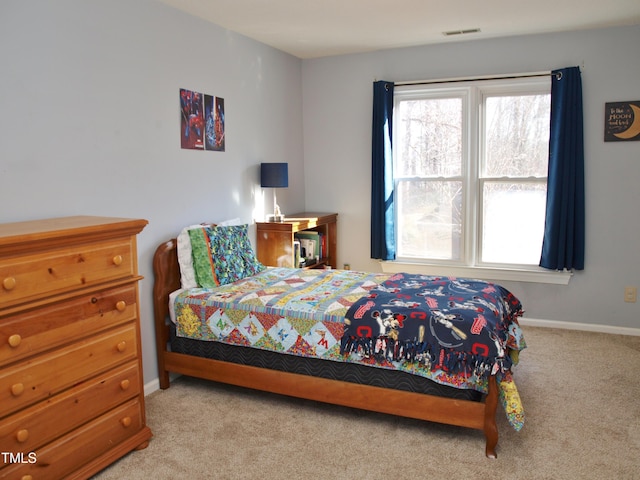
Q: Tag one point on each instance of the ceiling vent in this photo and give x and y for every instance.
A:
(461, 32)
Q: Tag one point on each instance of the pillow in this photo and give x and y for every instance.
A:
(185, 254)
(232, 253)
(233, 221)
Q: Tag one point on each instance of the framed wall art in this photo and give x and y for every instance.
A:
(622, 121)
(201, 121)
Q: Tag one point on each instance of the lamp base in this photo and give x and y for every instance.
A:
(275, 218)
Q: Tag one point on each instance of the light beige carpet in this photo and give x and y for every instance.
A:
(581, 393)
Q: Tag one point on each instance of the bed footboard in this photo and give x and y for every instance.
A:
(490, 428)
(462, 413)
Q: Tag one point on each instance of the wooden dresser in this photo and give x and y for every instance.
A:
(71, 388)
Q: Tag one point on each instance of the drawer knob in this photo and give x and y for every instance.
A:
(26, 477)
(122, 346)
(22, 435)
(121, 306)
(14, 340)
(117, 260)
(126, 421)
(9, 283)
(17, 389)
(124, 384)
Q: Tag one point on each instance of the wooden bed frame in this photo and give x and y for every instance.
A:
(464, 413)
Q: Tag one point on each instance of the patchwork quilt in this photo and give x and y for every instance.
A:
(452, 331)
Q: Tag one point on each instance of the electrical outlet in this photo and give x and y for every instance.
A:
(630, 294)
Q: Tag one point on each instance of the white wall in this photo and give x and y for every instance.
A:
(89, 120)
(337, 95)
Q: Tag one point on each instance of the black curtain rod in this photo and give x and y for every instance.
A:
(459, 80)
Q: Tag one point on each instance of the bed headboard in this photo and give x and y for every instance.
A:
(166, 272)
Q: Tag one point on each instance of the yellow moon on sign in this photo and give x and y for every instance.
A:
(634, 128)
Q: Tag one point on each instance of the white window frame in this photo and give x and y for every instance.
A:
(472, 94)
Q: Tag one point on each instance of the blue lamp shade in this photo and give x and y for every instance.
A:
(274, 175)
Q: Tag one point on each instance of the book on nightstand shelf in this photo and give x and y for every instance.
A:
(313, 243)
(297, 256)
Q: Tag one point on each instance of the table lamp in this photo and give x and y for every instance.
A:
(274, 175)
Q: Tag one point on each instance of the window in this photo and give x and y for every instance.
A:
(470, 172)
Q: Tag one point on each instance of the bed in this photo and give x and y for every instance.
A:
(407, 345)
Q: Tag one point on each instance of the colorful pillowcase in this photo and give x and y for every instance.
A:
(232, 253)
(185, 255)
(204, 268)
(222, 254)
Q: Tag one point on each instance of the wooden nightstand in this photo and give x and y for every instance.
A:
(275, 241)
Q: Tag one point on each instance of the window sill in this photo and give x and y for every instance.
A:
(483, 273)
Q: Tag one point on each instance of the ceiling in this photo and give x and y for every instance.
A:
(318, 28)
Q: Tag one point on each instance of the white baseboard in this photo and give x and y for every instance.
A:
(154, 384)
(587, 327)
(151, 386)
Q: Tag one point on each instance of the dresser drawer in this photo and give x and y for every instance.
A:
(40, 424)
(60, 458)
(28, 382)
(31, 332)
(38, 275)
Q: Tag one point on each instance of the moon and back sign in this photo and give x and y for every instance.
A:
(622, 121)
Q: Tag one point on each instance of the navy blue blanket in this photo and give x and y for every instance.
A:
(456, 325)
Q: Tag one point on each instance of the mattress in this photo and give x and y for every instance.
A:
(348, 372)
